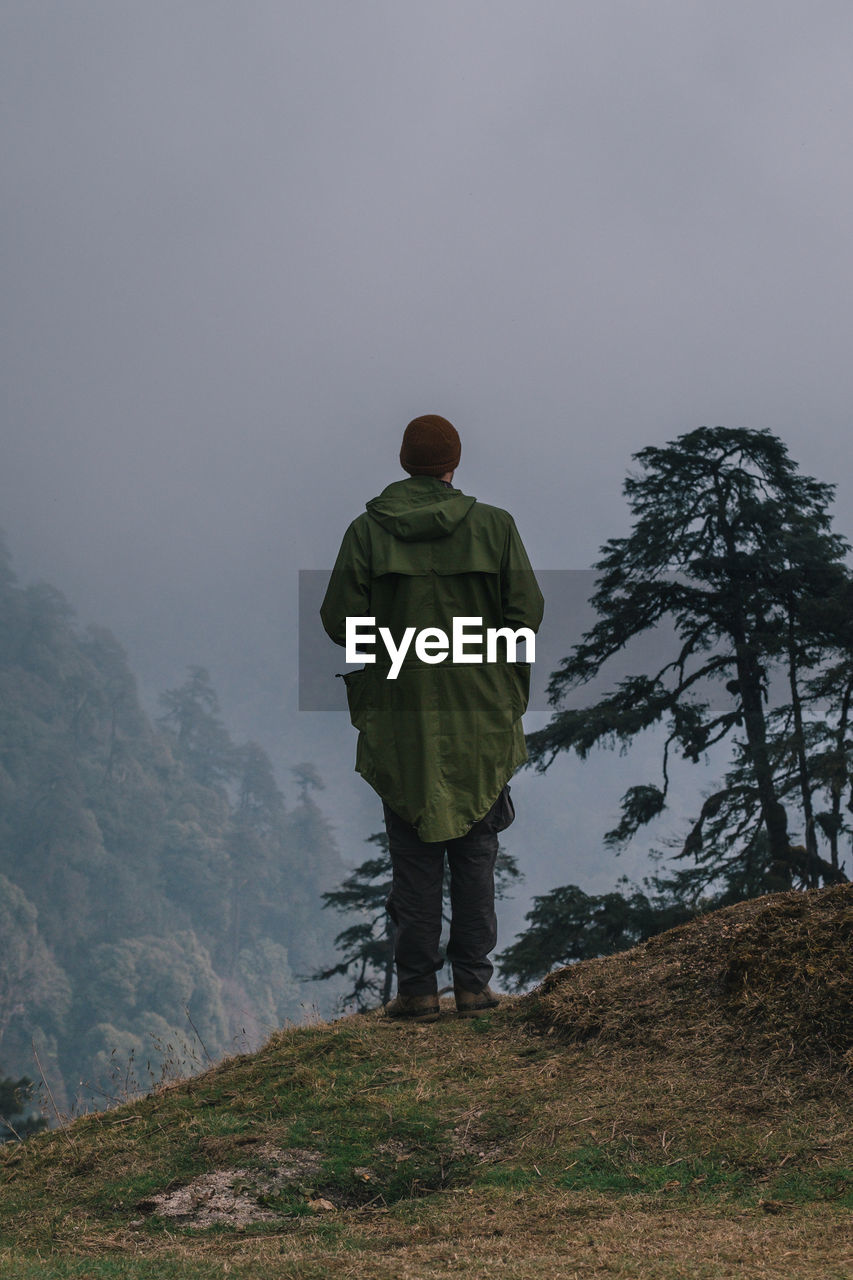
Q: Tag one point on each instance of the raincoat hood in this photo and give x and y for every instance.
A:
(420, 509)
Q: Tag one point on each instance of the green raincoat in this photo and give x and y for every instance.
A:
(440, 741)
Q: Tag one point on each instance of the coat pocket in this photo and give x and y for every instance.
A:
(504, 810)
(359, 698)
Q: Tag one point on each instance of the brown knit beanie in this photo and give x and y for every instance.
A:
(431, 446)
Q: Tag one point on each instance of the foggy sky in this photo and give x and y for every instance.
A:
(245, 243)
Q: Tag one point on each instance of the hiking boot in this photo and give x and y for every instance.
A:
(414, 1008)
(471, 1003)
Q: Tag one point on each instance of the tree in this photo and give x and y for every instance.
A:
(735, 548)
(568, 925)
(308, 778)
(368, 945)
(202, 742)
(255, 843)
(30, 978)
(18, 1117)
(142, 870)
(831, 752)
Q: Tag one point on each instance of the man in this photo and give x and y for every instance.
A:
(440, 735)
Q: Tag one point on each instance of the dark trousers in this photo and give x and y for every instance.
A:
(414, 903)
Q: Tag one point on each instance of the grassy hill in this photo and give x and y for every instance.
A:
(678, 1110)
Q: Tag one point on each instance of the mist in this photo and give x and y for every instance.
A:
(244, 246)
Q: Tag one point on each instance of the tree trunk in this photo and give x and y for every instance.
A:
(751, 694)
(772, 811)
(802, 764)
(840, 777)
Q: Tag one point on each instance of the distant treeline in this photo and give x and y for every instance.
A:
(158, 898)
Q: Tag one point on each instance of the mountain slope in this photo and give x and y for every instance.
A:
(689, 1141)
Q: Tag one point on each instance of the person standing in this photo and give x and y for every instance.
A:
(440, 737)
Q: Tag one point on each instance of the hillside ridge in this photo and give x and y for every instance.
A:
(775, 971)
(364, 1145)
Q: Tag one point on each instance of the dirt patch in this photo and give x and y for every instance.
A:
(469, 1138)
(218, 1197)
(291, 1166)
(235, 1196)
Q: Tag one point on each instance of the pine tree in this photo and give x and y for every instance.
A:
(368, 945)
(18, 1117)
(202, 742)
(567, 924)
(734, 547)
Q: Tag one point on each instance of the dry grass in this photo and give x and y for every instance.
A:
(663, 1113)
(542, 1235)
(774, 973)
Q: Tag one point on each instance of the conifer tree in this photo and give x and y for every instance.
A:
(202, 742)
(567, 924)
(19, 1118)
(735, 548)
(367, 946)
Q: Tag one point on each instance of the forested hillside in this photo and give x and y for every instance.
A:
(158, 898)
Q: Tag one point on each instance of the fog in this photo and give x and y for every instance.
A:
(244, 245)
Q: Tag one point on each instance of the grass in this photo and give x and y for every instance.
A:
(503, 1144)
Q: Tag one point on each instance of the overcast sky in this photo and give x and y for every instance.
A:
(244, 243)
